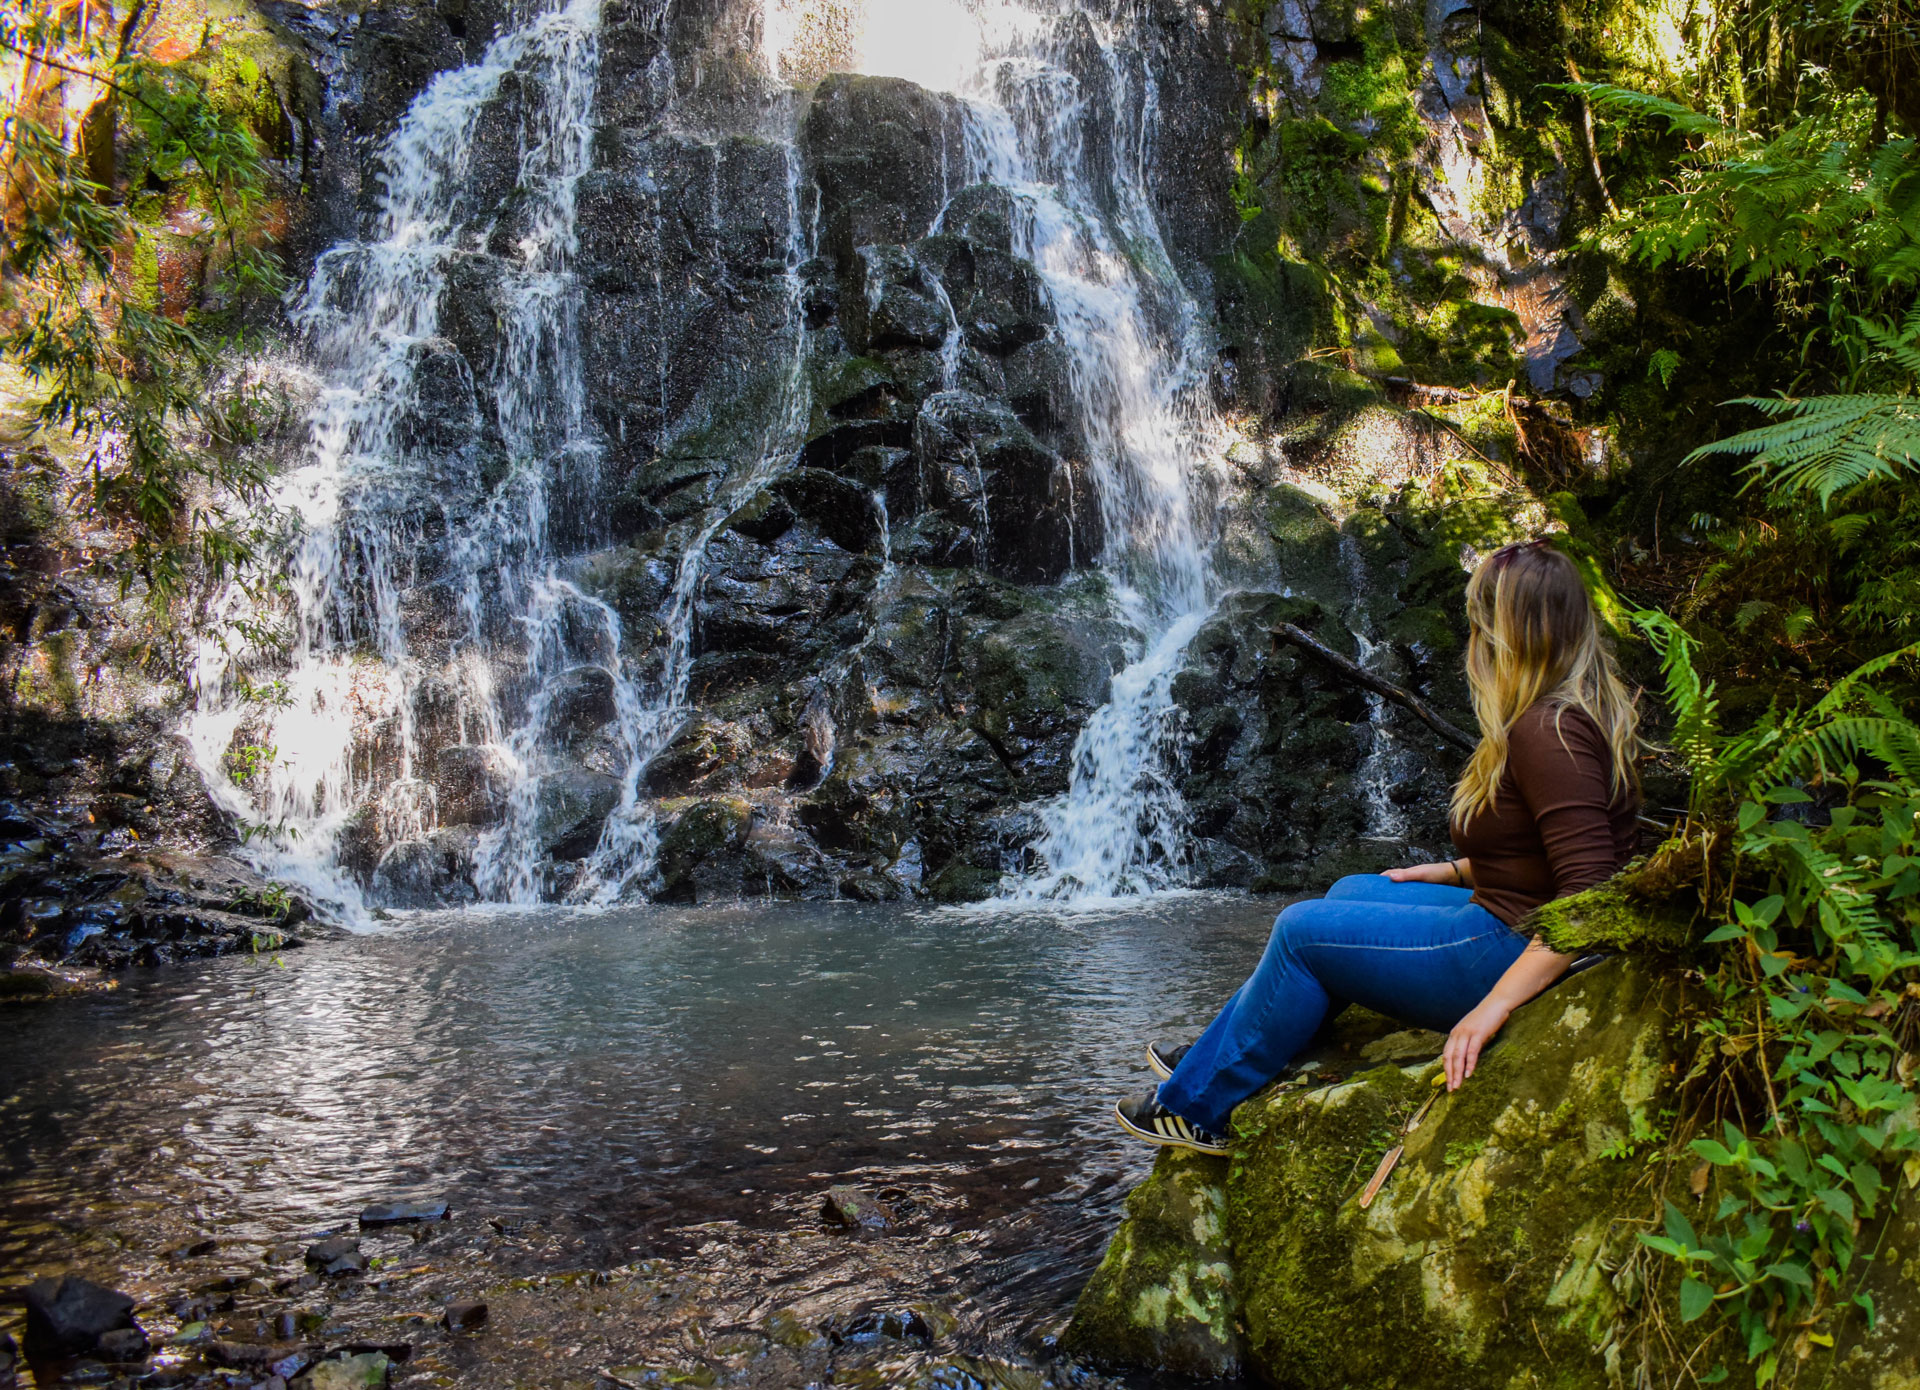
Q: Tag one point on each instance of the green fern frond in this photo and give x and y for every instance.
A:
(1624, 101)
(1826, 444)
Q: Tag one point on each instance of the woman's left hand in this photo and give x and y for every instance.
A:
(1469, 1036)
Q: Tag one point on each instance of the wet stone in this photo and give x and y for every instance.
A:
(123, 1345)
(873, 1324)
(360, 1372)
(855, 1210)
(463, 1317)
(403, 1213)
(68, 1316)
(337, 1256)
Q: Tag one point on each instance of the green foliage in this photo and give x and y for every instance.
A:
(248, 760)
(1852, 722)
(167, 465)
(1816, 993)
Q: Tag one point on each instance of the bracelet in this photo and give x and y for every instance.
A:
(1458, 877)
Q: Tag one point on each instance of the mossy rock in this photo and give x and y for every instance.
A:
(1488, 1251)
(963, 883)
(1164, 1295)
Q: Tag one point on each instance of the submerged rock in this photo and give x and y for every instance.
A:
(337, 1255)
(850, 1207)
(403, 1213)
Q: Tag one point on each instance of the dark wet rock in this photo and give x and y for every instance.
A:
(997, 299)
(580, 701)
(470, 784)
(892, 302)
(765, 517)
(842, 512)
(123, 1345)
(981, 213)
(996, 496)
(879, 149)
(68, 1316)
(284, 1359)
(570, 807)
(464, 1316)
(700, 853)
(428, 872)
(336, 1256)
(854, 1209)
(402, 1213)
(876, 1324)
(194, 1250)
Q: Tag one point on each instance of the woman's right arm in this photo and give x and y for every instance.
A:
(1455, 873)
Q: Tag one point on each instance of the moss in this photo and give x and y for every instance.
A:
(1164, 1295)
(1488, 1249)
(1608, 917)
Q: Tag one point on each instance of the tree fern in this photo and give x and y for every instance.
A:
(1823, 445)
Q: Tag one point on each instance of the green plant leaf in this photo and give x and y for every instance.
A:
(1696, 1297)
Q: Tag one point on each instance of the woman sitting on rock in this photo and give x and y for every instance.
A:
(1547, 806)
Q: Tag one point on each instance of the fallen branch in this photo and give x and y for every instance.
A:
(1360, 675)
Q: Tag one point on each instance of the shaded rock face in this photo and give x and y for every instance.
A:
(1491, 1252)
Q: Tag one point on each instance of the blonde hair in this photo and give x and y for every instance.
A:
(1533, 635)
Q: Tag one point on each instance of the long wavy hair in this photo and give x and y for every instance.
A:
(1533, 635)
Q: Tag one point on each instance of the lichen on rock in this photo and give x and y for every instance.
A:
(1165, 1293)
(1490, 1250)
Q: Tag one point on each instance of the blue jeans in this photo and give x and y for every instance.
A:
(1417, 951)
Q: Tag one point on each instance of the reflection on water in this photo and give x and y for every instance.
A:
(622, 1077)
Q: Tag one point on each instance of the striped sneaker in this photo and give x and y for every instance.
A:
(1162, 1058)
(1144, 1117)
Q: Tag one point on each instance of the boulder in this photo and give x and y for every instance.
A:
(1164, 1295)
(337, 1255)
(470, 783)
(1489, 1250)
(569, 809)
(892, 302)
(579, 702)
(878, 149)
(982, 213)
(703, 842)
(854, 1209)
(434, 871)
(68, 1316)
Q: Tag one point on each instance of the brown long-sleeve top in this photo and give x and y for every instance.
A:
(1556, 825)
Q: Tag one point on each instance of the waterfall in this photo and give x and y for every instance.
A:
(365, 497)
(383, 520)
(433, 598)
(1139, 350)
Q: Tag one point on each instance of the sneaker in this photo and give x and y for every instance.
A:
(1162, 1058)
(1144, 1117)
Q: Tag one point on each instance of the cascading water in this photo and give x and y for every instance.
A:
(1137, 343)
(377, 515)
(435, 597)
(365, 494)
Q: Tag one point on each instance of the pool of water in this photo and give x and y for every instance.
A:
(653, 1083)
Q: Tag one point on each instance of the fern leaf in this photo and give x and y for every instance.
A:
(1827, 444)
